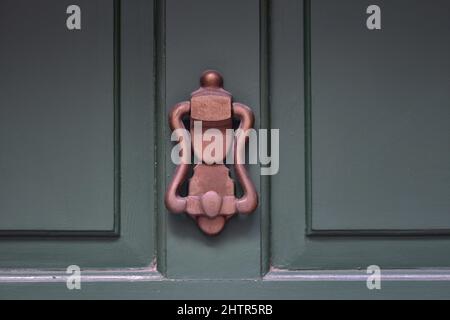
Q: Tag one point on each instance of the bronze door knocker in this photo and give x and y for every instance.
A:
(211, 199)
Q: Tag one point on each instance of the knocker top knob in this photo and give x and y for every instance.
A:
(211, 79)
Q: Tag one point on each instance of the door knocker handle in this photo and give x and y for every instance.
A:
(211, 199)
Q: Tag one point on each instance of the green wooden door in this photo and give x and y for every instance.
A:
(364, 122)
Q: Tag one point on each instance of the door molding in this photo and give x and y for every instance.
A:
(147, 283)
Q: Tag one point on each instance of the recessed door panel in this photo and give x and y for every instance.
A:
(57, 132)
(380, 116)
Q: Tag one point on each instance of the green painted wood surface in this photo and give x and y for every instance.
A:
(380, 117)
(164, 46)
(294, 246)
(132, 244)
(221, 35)
(229, 289)
(57, 117)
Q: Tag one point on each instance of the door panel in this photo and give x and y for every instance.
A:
(57, 117)
(77, 135)
(365, 115)
(380, 117)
